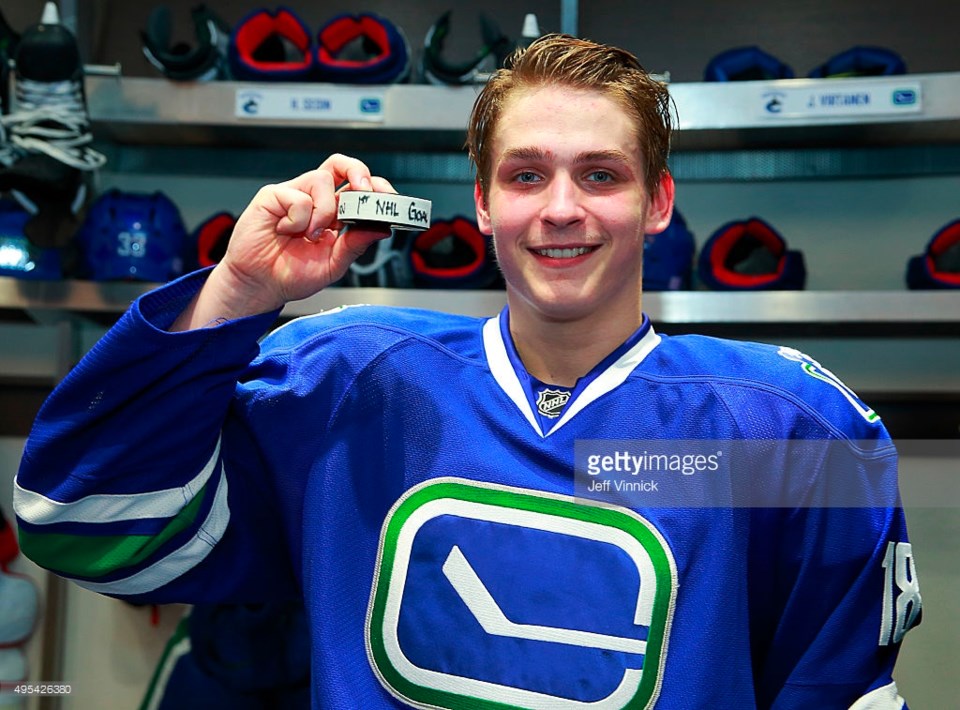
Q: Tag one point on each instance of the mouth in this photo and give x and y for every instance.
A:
(564, 252)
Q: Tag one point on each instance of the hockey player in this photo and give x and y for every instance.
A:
(412, 475)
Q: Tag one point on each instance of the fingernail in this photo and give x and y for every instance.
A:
(314, 236)
(366, 184)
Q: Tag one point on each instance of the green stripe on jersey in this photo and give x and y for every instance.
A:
(98, 555)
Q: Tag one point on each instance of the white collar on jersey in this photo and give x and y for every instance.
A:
(503, 372)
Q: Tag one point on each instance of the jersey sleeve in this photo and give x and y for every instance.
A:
(829, 622)
(833, 582)
(138, 483)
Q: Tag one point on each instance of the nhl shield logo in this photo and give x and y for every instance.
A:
(550, 403)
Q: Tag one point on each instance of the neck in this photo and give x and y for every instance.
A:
(561, 352)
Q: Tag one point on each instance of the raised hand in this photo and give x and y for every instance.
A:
(287, 245)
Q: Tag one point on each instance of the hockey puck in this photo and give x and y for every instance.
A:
(384, 208)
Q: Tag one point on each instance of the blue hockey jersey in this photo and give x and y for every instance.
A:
(429, 501)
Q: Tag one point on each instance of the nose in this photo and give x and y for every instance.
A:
(562, 207)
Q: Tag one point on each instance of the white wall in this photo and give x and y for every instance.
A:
(926, 672)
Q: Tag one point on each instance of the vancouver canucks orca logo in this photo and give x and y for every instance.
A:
(819, 372)
(550, 403)
(477, 601)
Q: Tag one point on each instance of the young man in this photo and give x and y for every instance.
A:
(411, 475)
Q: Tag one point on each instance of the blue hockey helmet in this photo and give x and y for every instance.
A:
(750, 255)
(272, 46)
(861, 61)
(208, 242)
(939, 265)
(19, 257)
(454, 254)
(746, 64)
(668, 257)
(132, 236)
(362, 49)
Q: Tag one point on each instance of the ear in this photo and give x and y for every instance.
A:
(660, 209)
(483, 213)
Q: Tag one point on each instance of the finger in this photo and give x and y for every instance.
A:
(376, 184)
(345, 169)
(321, 235)
(292, 210)
(323, 208)
(279, 208)
(382, 184)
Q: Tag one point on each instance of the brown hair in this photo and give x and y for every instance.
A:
(578, 63)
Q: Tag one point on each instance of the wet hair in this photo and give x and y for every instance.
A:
(563, 60)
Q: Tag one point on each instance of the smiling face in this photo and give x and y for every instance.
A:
(567, 207)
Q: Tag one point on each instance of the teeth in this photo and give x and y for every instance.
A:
(563, 253)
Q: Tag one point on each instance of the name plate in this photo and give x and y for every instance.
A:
(311, 103)
(840, 98)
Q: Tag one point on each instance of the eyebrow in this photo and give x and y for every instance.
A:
(523, 155)
(603, 156)
(533, 154)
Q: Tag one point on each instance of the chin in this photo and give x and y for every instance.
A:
(564, 307)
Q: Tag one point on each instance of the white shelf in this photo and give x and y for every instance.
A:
(711, 115)
(144, 110)
(875, 311)
(739, 105)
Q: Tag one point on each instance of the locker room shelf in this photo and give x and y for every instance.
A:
(133, 110)
(714, 116)
(836, 312)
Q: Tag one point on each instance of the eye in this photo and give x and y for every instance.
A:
(600, 176)
(527, 177)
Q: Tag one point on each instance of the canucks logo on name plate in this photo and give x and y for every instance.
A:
(487, 596)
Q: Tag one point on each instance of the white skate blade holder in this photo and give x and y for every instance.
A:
(383, 209)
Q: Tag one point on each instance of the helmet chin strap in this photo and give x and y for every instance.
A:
(489, 57)
(205, 60)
